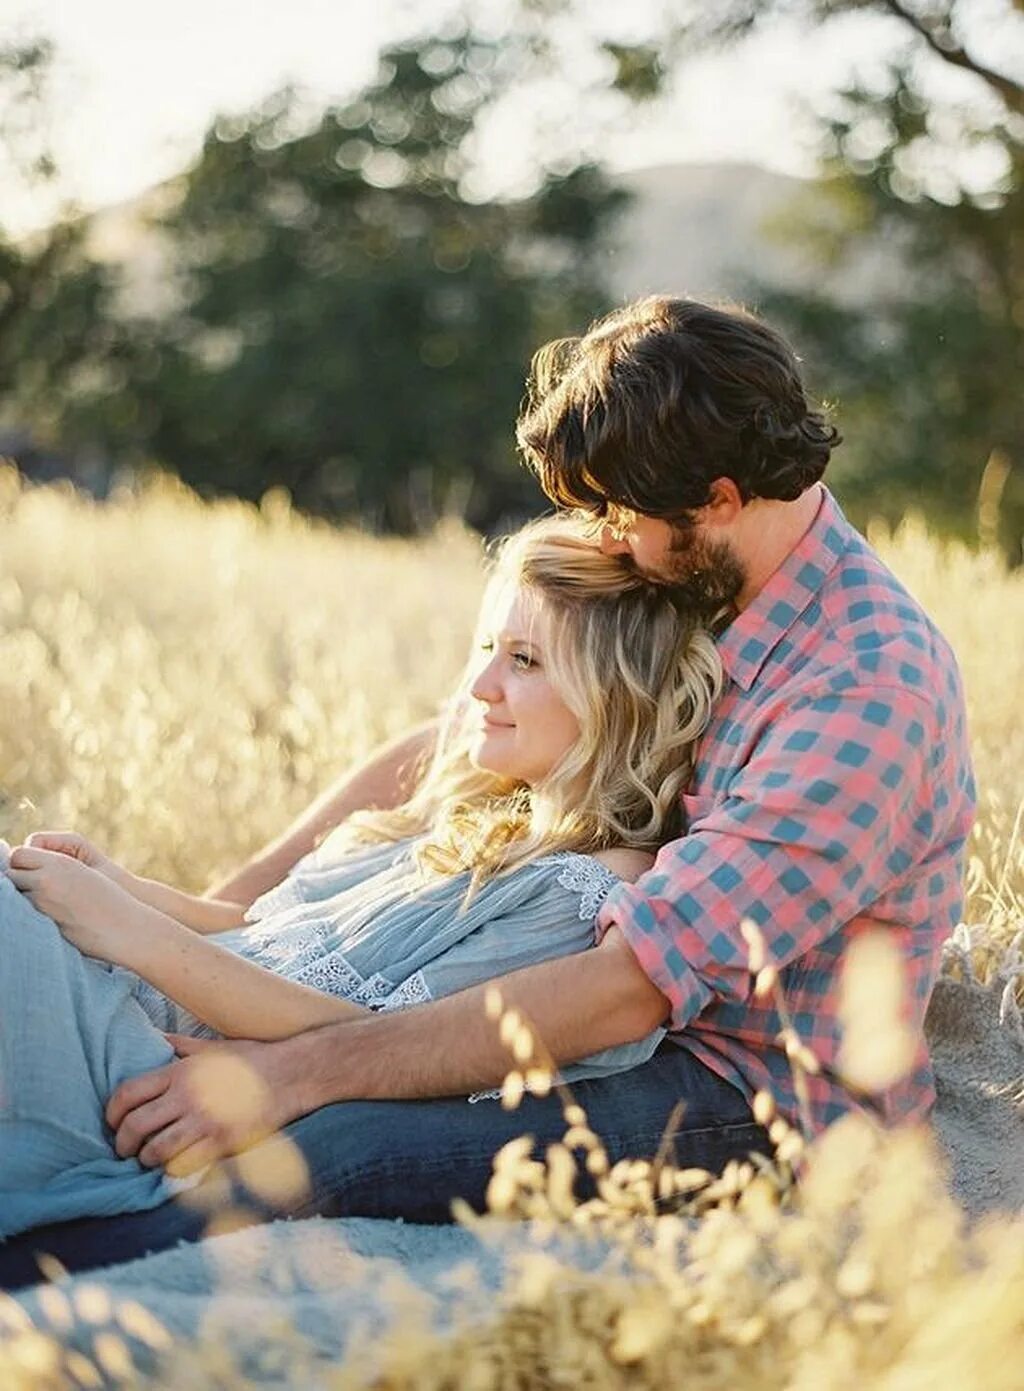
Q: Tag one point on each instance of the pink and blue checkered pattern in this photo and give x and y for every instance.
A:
(834, 784)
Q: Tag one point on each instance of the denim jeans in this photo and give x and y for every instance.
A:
(411, 1158)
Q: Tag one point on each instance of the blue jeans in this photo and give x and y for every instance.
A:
(411, 1158)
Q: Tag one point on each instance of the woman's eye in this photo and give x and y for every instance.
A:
(523, 660)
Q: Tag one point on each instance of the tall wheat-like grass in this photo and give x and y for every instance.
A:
(178, 680)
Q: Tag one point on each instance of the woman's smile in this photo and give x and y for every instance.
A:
(512, 674)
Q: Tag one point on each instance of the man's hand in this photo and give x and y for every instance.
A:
(217, 1099)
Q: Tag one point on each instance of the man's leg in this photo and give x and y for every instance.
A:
(411, 1158)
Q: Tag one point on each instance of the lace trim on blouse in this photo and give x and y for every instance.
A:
(287, 894)
(592, 880)
(334, 974)
(301, 950)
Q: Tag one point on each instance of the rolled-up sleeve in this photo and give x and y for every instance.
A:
(830, 809)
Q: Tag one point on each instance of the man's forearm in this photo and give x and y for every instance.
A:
(386, 780)
(576, 1005)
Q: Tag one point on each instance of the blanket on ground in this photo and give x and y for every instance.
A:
(280, 1305)
(272, 1296)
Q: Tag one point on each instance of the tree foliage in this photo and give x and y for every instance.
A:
(928, 372)
(51, 322)
(349, 325)
(352, 322)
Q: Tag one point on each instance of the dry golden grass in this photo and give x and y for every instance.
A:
(178, 680)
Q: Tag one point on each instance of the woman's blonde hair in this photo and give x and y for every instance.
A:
(639, 673)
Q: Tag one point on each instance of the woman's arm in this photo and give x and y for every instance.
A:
(100, 918)
(238, 998)
(242, 999)
(627, 863)
(202, 915)
(384, 781)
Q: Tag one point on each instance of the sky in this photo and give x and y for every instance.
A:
(137, 85)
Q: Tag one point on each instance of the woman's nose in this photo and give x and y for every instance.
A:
(485, 686)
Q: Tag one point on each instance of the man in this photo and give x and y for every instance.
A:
(833, 784)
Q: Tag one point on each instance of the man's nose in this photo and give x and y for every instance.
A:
(610, 544)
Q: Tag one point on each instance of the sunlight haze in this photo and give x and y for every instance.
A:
(137, 86)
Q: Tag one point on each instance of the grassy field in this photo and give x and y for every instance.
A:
(178, 680)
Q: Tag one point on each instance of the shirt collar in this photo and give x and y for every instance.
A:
(755, 633)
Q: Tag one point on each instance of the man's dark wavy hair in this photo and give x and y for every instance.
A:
(660, 398)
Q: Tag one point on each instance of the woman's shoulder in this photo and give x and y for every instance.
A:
(588, 877)
(625, 862)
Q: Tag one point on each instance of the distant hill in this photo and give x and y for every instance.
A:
(700, 229)
(706, 230)
(695, 229)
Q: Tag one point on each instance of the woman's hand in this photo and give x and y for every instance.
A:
(93, 912)
(77, 847)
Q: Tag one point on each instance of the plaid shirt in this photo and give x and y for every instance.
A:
(833, 783)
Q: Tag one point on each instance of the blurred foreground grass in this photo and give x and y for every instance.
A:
(178, 680)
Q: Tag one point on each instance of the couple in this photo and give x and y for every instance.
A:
(806, 767)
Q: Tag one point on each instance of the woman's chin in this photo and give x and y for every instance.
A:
(485, 760)
(484, 755)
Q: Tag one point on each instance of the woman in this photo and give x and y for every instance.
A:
(557, 774)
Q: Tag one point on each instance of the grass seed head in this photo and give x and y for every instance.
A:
(512, 1090)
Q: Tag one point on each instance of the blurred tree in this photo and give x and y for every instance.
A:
(929, 373)
(349, 325)
(939, 26)
(354, 315)
(51, 326)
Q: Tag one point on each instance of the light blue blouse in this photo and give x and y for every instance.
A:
(363, 924)
(359, 924)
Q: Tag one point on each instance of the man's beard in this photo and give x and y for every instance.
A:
(705, 576)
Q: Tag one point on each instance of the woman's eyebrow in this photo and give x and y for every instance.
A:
(512, 640)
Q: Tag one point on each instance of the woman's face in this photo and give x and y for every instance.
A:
(524, 726)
